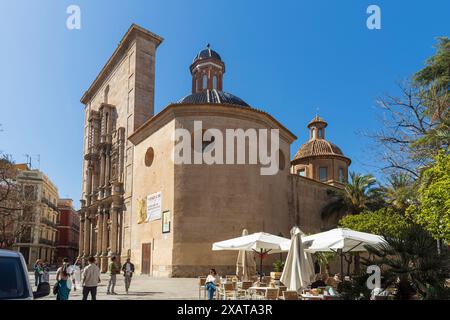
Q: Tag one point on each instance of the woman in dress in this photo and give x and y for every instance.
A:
(76, 274)
(64, 284)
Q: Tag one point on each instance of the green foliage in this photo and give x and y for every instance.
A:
(278, 266)
(433, 211)
(412, 264)
(324, 259)
(400, 191)
(356, 289)
(383, 222)
(437, 70)
(358, 195)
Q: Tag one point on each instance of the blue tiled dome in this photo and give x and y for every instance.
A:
(206, 54)
(212, 97)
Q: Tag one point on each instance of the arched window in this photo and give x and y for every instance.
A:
(322, 174)
(215, 82)
(205, 82)
(341, 175)
(320, 133)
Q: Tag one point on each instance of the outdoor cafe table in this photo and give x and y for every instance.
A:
(312, 297)
(253, 290)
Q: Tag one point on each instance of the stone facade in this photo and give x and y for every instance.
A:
(124, 164)
(119, 101)
(38, 240)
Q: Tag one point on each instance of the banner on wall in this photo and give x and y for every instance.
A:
(142, 211)
(154, 206)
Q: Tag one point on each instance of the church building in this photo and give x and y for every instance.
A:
(138, 202)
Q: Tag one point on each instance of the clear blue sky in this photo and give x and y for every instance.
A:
(285, 57)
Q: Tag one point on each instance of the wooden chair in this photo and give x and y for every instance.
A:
(227, 291)
(282, 289)
(201, 287)
(271, 294)
(242, 292)
(290, 295)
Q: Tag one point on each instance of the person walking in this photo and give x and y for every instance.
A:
(113, 270)
(90, 279)
(128, 270)
(63, 281)
(37, 268)
(76, 274)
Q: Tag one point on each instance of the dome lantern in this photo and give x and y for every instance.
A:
(207, 71)
(317, 128)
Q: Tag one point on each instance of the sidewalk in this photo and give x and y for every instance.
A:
(142, 288)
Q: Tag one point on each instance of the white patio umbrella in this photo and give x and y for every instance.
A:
(245, 264)
(341, 241)
(261, 243)
(298, 268)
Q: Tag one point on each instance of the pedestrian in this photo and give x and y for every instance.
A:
(90, 279)
(67, 270)
(113, 269)
(76, 274)
(45, 272)
(63, 281)
(37, 268)
(128, 270)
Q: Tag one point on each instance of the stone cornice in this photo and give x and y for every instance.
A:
(318, 183)
(232, 111)
(323, 156)
(133, 32)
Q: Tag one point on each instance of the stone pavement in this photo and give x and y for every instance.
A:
(142, 288)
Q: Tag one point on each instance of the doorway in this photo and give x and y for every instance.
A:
(146, 254)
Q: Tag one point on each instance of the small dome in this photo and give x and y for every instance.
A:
(212, 97)
(317, 120)
(207, 54)
(318, 147)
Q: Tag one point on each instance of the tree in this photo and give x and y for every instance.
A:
(411, 264)
(433, 210)
(400, 191)
(16, 204)
(383, 221)
(416, 123)
(358, 195)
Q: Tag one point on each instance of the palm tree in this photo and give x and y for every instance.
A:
(358, 195)
(400, 191)
(412, 265)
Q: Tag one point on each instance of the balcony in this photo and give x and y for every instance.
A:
(49, 223)
(49, 204)
(47, 242)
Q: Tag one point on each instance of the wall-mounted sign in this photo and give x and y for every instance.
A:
(154, 201)
(166, 221)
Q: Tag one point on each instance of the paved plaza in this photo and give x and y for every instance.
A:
(142, 288)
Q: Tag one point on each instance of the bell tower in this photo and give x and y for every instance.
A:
(207, 71)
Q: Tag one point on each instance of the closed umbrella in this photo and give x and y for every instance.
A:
(298, 268)
(245, 265)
